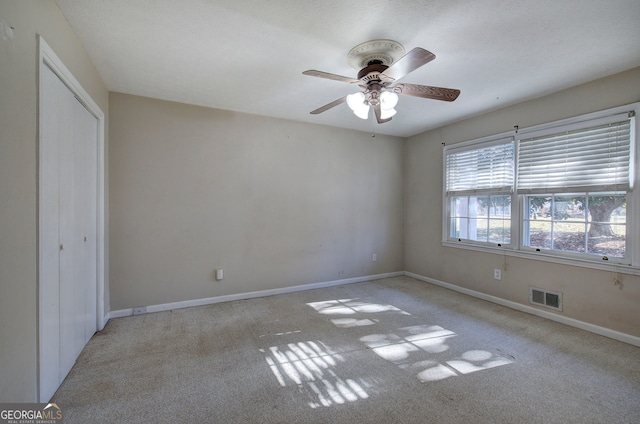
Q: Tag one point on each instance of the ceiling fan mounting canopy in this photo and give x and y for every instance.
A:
(384, 51)
(381, 63)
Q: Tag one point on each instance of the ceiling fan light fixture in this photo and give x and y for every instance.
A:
(355, 100)
(387, 113)
(356, 103)
(388, 100)
(362, 112)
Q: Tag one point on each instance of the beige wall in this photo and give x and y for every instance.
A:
(273, 202)
(18, 146)
(589, 295)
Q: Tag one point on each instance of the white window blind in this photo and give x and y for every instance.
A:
(488, 169)
(593, 158)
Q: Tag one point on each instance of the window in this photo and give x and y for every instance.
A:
(482, 218)
(587, 223)
(479, 183)
(563, 189)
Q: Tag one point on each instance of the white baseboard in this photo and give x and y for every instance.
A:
(603, 331)
(260, 293)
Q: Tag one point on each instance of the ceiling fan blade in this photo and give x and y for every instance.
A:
(320, 74)
(378, 112)
(427, 92)
(329, 106)
(407, 63)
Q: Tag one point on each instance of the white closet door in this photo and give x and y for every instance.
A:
(68, 215)
(67, 233)
(49, 279)
(89, 233)
(77, 202)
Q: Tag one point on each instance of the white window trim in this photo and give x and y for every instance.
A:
(516, 248)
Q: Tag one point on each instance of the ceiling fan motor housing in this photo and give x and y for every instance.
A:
(371, 81)
(371, 72)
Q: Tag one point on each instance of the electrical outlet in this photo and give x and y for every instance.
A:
(140, 310)
(497, 274)
(219, 274)
(374, 257)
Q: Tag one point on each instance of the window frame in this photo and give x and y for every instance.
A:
(629, 265)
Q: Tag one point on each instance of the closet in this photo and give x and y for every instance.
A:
(68, 229)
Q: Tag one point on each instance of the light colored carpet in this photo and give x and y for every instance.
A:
(391, 350)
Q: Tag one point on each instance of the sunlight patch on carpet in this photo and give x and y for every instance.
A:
(412, 348)
(311, 366)
(351, 307)
(422, 349)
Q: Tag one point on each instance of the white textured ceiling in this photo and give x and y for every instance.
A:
(248, 55)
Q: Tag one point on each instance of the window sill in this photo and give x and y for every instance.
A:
(542, 256)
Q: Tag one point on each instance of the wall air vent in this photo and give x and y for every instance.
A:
(546, 298)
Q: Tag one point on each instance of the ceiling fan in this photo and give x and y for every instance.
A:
(382, 63)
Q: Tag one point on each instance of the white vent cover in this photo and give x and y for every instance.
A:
(546, 298)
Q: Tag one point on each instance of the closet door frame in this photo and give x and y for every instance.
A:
(47, 57)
